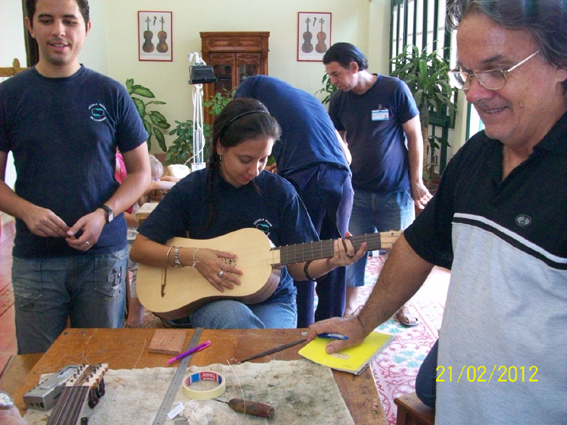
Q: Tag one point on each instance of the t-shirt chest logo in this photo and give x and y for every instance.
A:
(523, 220)
(98, 112)
(264, 225)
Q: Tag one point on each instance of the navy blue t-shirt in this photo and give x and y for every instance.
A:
(63, 133)
(379, 151)
(308, 135)
(273, 206)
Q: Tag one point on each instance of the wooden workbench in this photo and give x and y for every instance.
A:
(128, 348)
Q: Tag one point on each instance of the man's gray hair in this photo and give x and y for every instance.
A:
(545, 20)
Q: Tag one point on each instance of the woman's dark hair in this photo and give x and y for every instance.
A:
(83, 7)
(545, 20)
(345, 53)
(241, 119)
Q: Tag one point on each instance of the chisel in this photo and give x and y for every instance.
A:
(248, 407)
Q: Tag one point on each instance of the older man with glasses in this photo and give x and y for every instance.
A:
(499, 221)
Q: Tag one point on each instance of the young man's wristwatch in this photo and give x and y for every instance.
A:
(6, 401)
(109, 213)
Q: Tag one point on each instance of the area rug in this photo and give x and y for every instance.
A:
(395, 368)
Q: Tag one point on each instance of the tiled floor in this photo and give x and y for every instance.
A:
(8, 345)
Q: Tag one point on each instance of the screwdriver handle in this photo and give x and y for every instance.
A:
(253, 408)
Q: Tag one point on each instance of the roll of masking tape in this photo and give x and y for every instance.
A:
(199, 394)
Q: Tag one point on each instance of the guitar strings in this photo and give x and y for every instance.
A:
(324, 249)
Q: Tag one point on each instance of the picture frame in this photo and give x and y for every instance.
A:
(155, 37)
(313, 35)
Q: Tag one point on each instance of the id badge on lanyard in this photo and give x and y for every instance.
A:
(380, 114)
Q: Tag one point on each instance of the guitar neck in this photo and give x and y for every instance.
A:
(324, 249)
(87, 382)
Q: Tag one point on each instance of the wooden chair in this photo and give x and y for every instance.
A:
(9, 71)
(411, 411)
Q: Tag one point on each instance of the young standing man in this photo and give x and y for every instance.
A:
(379, 120)
(63, 124)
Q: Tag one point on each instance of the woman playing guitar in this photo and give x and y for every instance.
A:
(235, 192)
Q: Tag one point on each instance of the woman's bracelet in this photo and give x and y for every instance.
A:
(306, 272)
(176, 261)
(167, 256)
(194, 258)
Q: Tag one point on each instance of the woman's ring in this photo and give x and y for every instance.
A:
(221, 273)
(88, 243)
(350, 256)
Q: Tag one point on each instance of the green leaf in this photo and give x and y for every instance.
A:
(157, 121)
(158, 115)
(142, 91)
(160, 138)
(140, 106)
(129, 84)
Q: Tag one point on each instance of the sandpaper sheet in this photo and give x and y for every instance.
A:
(301, 392)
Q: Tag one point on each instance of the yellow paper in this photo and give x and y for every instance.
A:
(353, 359)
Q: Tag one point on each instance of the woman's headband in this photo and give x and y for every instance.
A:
(224, 127)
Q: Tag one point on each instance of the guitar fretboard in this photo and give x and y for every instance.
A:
(87, 382)
(324, 249)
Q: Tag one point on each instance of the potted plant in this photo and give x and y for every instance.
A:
(181, 149)
(328, 88)
(427, 76)
(154, 121)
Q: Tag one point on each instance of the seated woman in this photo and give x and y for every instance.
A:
(235, 192)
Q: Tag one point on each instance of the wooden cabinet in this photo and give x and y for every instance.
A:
(233, 56)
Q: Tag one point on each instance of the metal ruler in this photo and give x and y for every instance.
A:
(167, 402)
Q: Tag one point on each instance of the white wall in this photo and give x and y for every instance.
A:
(168, 80)
(111, 46)
(12, 46)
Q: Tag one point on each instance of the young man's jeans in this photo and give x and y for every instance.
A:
(88, 289)
(377, 212)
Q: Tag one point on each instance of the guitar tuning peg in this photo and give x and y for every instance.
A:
(93, 399)
(102, 387)
(98, 392)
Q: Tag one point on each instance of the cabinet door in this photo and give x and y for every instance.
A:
(247, 65)
(225, 69)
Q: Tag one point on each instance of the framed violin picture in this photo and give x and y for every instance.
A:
(155, 38)
(313, 36)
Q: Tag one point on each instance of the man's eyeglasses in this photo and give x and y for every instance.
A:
(494, 79)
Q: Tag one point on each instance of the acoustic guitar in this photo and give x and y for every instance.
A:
(87, 382)
(173, 293)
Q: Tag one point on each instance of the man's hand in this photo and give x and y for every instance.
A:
(45, 223)
(91, 227)
(350, 327)
(420, 195)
